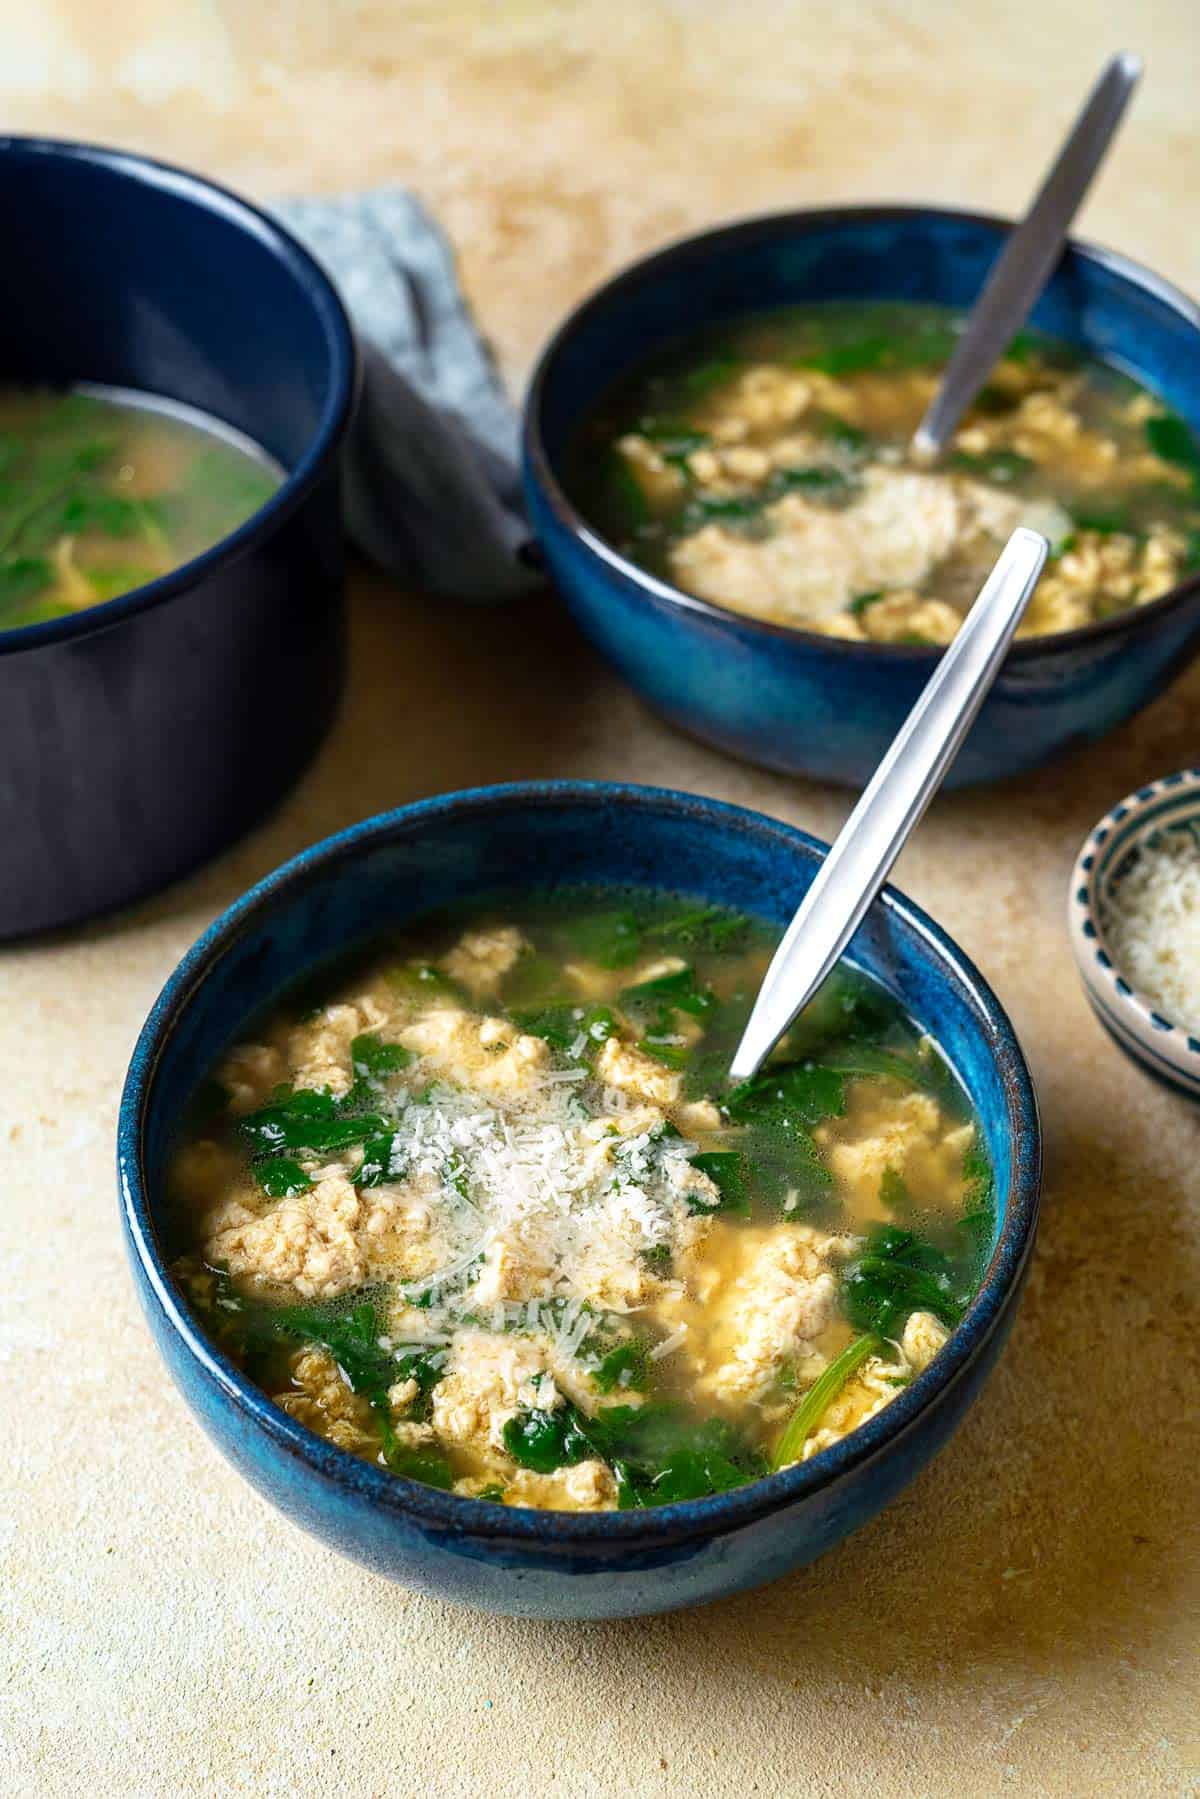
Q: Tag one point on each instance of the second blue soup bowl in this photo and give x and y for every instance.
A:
(373, 877)
(791, 699)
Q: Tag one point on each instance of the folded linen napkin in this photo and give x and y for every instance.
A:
(432, 490)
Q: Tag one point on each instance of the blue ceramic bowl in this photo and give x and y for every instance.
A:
(791, 699)
(140, 736)
(562, 1565)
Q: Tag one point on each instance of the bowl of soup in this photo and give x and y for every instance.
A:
(718, 465)
(176, 379)
(461, 1245)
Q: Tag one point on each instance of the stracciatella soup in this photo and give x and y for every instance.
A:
(485, 1210)
(766, 467)
(102, 491)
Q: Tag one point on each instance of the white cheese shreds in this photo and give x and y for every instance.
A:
(1151, 921)
(533, 1195)
(673, 1342)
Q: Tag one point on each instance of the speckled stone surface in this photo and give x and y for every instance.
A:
(1025, 1619)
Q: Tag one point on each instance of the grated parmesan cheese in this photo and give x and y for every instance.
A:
(1151, 923)
(536, 1201)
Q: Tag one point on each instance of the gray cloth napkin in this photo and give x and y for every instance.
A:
(432, 490)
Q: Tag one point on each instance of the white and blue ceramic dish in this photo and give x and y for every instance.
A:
(791, 699)
(140, 736)
(576, 1565)
(1168, 1050)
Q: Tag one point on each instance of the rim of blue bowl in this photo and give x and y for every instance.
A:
(457, 1513)
(696, 246)
(344, 370)
(1174, 797)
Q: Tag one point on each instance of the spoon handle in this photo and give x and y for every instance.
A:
(1030, 253)
(892, 804)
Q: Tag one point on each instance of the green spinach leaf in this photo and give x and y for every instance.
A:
(728, 1170)
(281, 1177)
(900, 1273)
(1170, 438)
(306, 1120)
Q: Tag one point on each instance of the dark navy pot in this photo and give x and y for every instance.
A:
(791, 699)
(562, 1565)
(143, 735)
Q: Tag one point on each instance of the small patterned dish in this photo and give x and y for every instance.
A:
(1168, 1050)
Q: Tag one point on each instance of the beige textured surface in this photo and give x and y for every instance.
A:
(1025, 1619)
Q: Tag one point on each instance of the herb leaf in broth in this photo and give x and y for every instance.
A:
(709, 928)
(894, 1194)
(307, 1120)
(978, 1222)
(626, 1366)
(930, 342)
(567, 1024)
(381, 1161)
(708, 376)
(820, 1396)
(677, 992)
(780, 1106)
(373, 1060)
(824, 481)
(351, 1336)
(1169, 437)
(729, 1172)
(22, 578)
(1003, 466)
(610, 939)
(861, 601)
(707, 509)
(850, 437)
(660, 1452)
(122, 577)
(787, 1093)
(545, 1441)
(900, 1273)
(216, 488)
(420, 979)
(654, 1004)
(281, 1178)
(1106, 519)
(848, 1009)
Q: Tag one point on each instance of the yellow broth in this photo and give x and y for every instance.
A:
(103, 491)
(766, 466)
(482, 1207)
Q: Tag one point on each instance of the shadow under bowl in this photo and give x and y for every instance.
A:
(1132, 1019)
(140, 736)
(791, 699)
(370, 879)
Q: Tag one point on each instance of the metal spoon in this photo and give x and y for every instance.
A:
(893, 803)
(1031, 252)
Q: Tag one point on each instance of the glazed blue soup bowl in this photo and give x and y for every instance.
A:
(791, 699)
(140, 736)
(372, 877)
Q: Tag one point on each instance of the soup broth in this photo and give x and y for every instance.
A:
(765, 466)
(484, 1209)
(101, 492)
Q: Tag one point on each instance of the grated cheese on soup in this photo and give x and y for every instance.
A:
(1151, 923)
